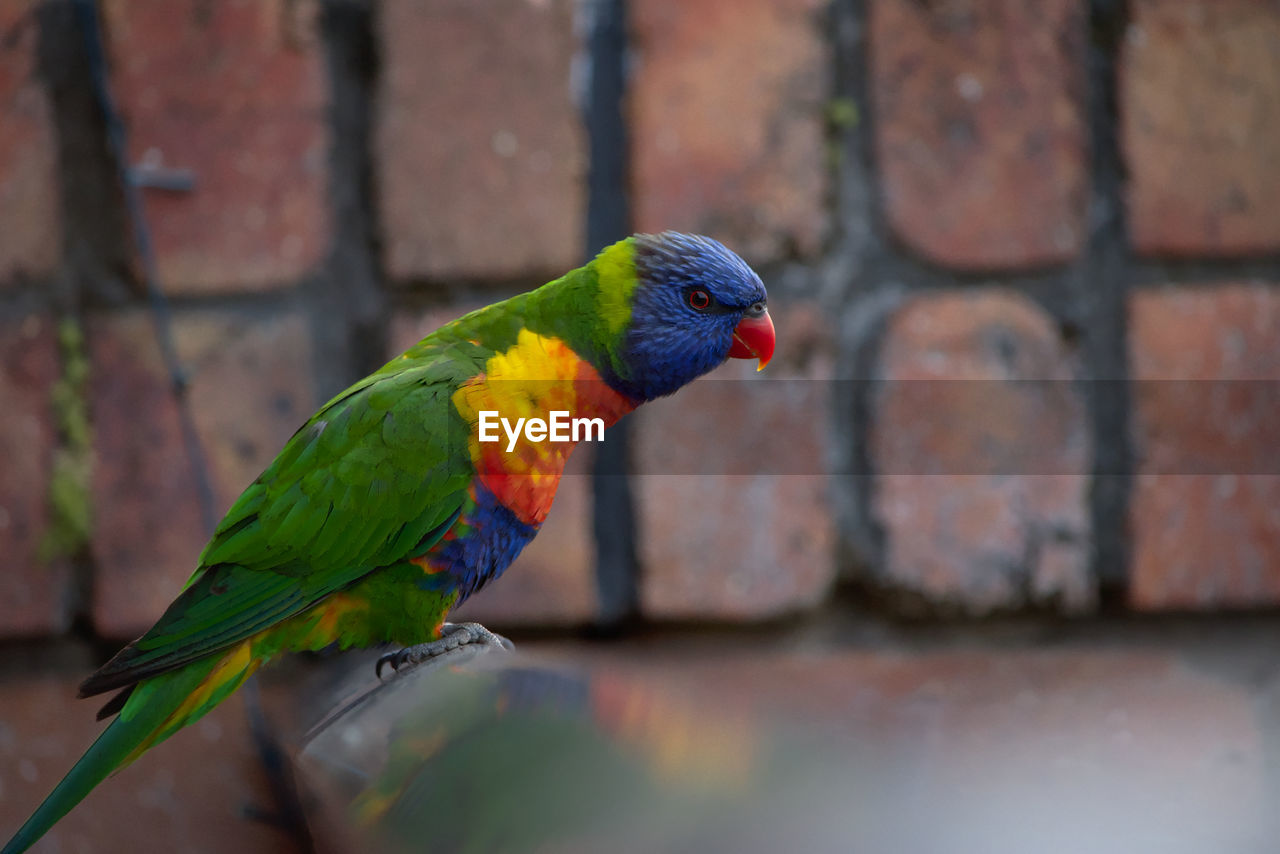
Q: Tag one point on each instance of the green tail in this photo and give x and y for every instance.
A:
(106, 754)
(146, 719)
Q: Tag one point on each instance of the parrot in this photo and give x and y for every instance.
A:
(386, 510)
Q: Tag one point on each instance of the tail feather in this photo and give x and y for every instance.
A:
(153, 710)
(116, 703)
(109, 752)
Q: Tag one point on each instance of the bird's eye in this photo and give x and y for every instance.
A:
(698, 299)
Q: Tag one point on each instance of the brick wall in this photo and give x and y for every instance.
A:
(1024, 259)
(1068, 207)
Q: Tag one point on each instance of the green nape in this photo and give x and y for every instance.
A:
(587, 308)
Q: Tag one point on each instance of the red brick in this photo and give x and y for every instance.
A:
(731, 491)
(236, 92)
(980, 130)
(980, 446)
(726, 107)
(1200, 126)
(250, 389)
(30, 219)
(553, 581)
(1205, 510)
(34, 594)
(160, 803)
(147, 526)
(484, 179)
(410, 325)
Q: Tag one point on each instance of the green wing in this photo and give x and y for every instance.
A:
(376, 476)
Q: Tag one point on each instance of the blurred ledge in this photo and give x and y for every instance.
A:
(643, 749)
(482, 750)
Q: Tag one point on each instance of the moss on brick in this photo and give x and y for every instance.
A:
(70, 503)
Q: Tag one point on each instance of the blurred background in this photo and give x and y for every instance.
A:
(1006, 504)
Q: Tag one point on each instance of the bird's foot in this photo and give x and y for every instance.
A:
(452, 636)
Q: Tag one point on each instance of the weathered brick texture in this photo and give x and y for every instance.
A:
(981, 452)
(552, 582)
(477, 159)
(735, 518)
(1200, 126)
(147, 525)
(237, 93)
(726, 108)
(250, 389)
(1205, 515)
(980, 130)
(34, 594)
(30, 219)
(479, 148)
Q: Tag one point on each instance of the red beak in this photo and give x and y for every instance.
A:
(753, 338)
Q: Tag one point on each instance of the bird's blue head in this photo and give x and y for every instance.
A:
(695, 304)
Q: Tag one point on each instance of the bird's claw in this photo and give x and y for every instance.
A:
(452, 636)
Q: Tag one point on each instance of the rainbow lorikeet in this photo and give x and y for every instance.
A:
(386, 509)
